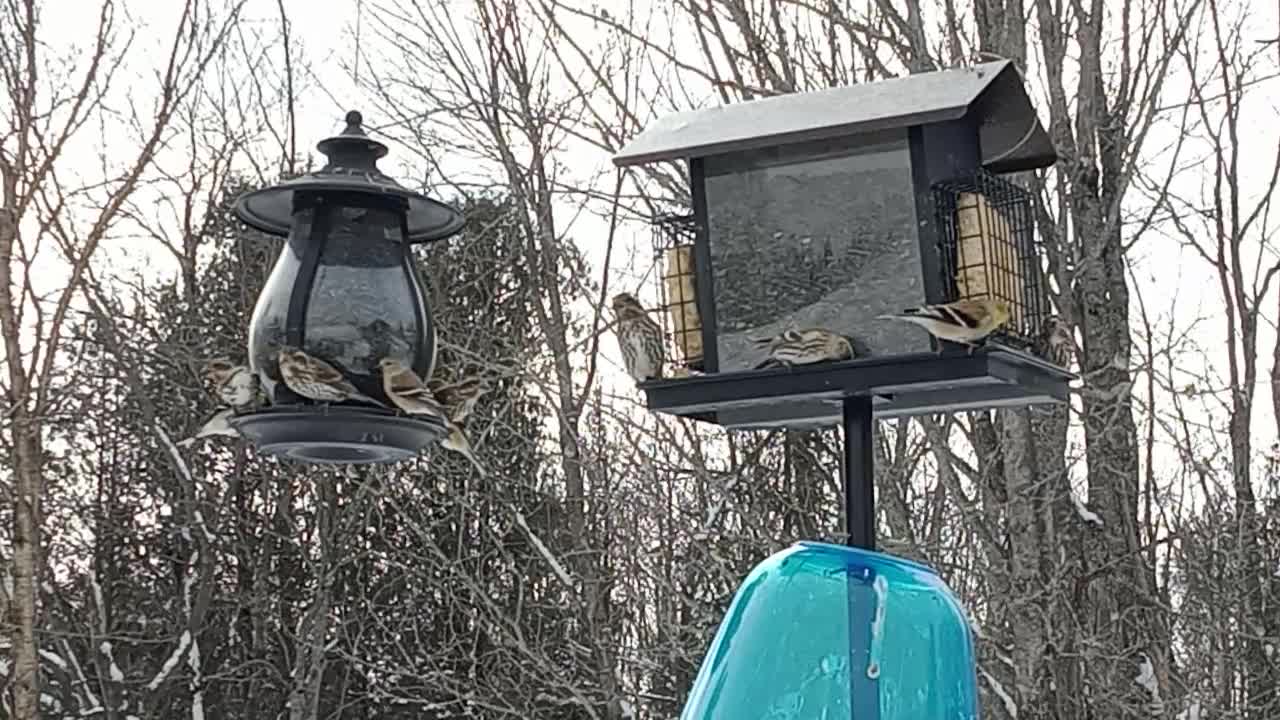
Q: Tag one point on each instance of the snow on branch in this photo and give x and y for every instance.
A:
(546, 553)
(1010, 707)
(176, 657)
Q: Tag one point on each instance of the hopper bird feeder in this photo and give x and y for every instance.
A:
(828, 209)
(344, 290)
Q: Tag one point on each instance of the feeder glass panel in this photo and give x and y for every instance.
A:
(827, 631)
(364, 303)
(814, 236)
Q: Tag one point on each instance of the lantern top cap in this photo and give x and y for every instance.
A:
(353, 139)
(352, 167)
(1011, 135)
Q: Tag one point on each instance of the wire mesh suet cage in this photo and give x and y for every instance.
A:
(989, 250)
(673, 246)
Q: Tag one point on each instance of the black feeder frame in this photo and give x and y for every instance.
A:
(344, 289)
(829, 208)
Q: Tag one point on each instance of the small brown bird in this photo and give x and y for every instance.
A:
(639, 338)
(460, 397)
(216, 425)
(457, 441)
(234, 385)
(804, 347)
(967, 322)
(406, 390)
(315, 379)
(1056, 342)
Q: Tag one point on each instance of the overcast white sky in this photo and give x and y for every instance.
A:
(1169, 278)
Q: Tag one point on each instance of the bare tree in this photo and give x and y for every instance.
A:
(52, 112)
(1225, 218)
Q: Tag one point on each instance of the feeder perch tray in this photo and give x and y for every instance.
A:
(899, 385)
(337, 434)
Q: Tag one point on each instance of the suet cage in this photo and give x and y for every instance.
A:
(674, 236)
(830, 209)
(989, 250)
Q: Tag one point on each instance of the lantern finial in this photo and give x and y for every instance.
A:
(352, 148)
(354, 121)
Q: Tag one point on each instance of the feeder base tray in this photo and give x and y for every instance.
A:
(899, 385)
(337, 435)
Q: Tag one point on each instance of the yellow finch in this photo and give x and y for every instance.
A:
(967, 322)
(456, 440)
(407, 391)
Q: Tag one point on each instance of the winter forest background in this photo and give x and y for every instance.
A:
(1121, 559)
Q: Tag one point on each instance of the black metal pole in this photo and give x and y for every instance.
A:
(859, 475)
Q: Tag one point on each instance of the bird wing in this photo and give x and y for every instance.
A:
(325, 373)
(650, 324)
(783, 337)
(957, 315)
(407, 385)
(450, 392)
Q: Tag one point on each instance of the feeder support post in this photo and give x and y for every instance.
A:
(859, 472)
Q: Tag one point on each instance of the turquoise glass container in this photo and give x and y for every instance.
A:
(828, 632)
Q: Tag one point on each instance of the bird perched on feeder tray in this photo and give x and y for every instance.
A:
(1056, 342)
(315, 379)
(407, 391)
(216, 425)
(457, 441)
(234, 385)
(460, 397)
(639, 338)
(804, 347)
(967, 322)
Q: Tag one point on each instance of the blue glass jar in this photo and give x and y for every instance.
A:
(828, 632)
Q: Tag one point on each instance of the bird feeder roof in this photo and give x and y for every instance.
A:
(351, 167)
(1011, 135)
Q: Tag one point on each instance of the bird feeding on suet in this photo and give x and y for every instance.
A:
(804, 347)
(317, 380)
(639, 338)
(967, 322)
(234, 385)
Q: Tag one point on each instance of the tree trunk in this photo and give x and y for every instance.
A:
(28, 486)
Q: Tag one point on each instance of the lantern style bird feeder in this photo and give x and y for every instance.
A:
(344, 290)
